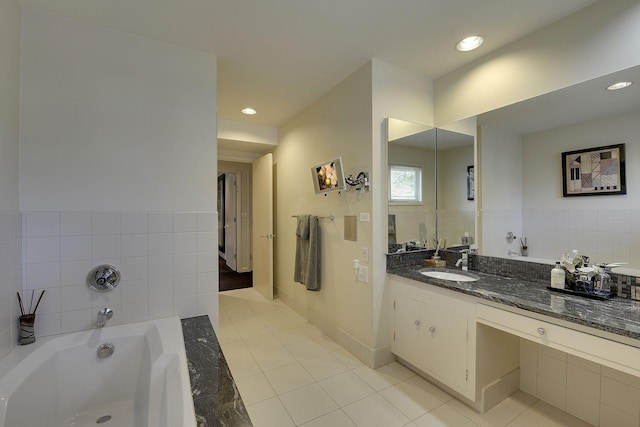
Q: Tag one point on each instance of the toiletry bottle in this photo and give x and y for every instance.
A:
(557, 276)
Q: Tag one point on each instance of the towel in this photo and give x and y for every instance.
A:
(307, 262)
(302, 230)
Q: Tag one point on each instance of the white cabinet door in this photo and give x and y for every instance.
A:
(411, 331)
(447, 347)
(433, 339)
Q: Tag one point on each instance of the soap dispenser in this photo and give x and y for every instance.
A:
(557, 276)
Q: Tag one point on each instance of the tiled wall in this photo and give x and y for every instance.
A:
(597, 394)
(495, 225)
(10, 278)
(168, 261)
(606, 235)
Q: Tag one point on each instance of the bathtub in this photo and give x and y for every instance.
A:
(60, 381)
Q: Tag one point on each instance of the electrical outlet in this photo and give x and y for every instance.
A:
(363, 274)
(364, 217)
(365, 254)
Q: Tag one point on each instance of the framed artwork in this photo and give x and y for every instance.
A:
(594, 171)
(471, 178)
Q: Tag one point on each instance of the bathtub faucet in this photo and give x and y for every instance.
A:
(103, 316)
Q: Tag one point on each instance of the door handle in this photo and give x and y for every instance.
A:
(268, 236)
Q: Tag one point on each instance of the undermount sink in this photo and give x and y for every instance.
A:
(446, 275)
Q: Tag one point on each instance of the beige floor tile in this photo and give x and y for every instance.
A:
(243, 367)
(227, 333)
(254, 389)
(291, 336)
(413, 400)
(375, 411)
(348, 359)
(312, 331)
(324, 366)
(430, 387)
(499, 416)
(346, 388)
(306, 349)
(332, 419)
(307, 403)
(269, 413)
(273, 358)
(235, 350)
(288, 377)
(384, 377)
(543, 414)
(328, 343)
(444, 416)
(262, 342)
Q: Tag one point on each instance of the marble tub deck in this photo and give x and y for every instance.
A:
(215, 395)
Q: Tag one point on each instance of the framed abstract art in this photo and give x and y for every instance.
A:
(594, 171)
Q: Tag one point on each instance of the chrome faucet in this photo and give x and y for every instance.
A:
(103, 316)
(464, 260)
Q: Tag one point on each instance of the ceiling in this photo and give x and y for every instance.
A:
(575, 104)
(279, 56)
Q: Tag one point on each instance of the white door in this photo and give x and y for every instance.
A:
(231, 221)
(262, 230)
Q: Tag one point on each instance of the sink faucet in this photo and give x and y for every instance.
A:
(103, 316)
(464, 260)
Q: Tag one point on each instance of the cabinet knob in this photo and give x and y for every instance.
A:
(417, 322)
(541, 331)
(432, 329)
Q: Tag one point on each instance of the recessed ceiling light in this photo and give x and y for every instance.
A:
(469, 43)
(619, 85)
(249, 111)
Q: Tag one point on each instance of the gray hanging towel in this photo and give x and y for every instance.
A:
(307, 262)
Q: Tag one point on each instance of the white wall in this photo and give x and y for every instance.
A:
(501, 175)
(402, 95)
(10, 223)
(594, 41)
(117, 165)
(337, 124)
(114, 121)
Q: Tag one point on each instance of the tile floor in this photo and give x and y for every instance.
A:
(290, 374)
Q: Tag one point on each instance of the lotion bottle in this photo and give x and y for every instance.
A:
(557, 276)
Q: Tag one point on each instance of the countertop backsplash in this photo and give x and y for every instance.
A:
(627, 286)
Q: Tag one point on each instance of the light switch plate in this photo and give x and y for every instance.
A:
(365, 254)
(364, 217)
(363, 274)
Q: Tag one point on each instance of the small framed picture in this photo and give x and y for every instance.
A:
(594, 171)
(471, 179)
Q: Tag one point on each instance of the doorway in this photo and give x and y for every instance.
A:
(234, 228)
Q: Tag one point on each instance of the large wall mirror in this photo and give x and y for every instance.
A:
(520, 147)
(431, 186)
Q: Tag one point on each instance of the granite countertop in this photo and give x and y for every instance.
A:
(215, 396)
(619, 316)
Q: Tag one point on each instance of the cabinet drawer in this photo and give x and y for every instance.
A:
(613, 354)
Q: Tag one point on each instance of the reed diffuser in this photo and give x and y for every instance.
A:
(27, 321)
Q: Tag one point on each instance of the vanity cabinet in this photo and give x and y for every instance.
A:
(433, 332)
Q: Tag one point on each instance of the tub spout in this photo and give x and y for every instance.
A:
(103, 316)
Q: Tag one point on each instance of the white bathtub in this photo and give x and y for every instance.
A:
(59, 381)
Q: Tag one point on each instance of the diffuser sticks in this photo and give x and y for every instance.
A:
(30, 304)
